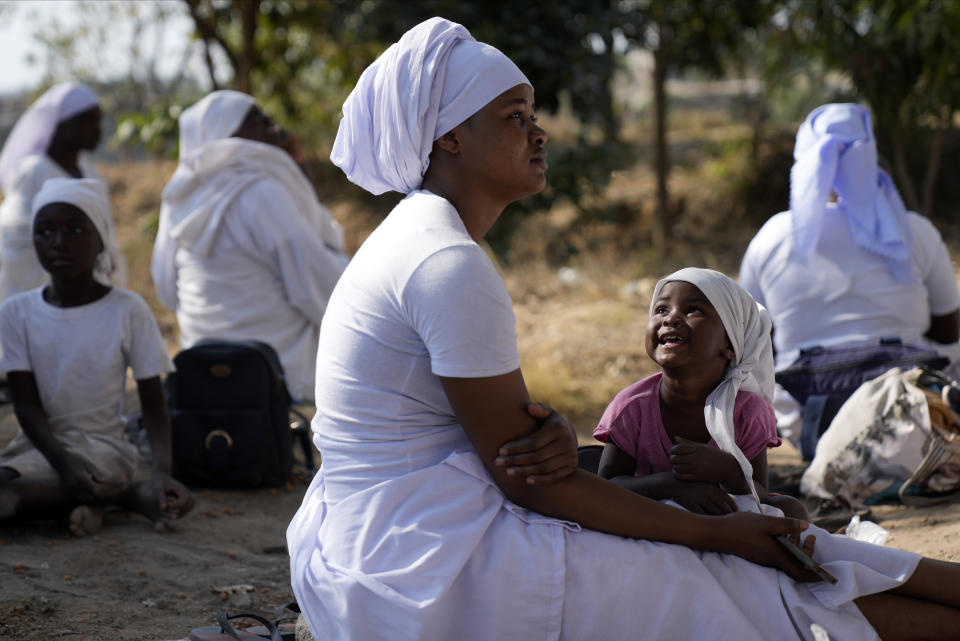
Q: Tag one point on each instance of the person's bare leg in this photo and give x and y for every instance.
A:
(935, 581)
(41, 496)
(901, 618)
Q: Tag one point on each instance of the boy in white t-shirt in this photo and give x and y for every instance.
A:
(65, 349)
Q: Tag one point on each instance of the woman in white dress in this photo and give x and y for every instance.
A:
(48, 141)
(415, 528)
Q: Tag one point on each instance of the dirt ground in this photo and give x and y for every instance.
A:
(579, 328)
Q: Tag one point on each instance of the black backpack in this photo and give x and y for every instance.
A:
(822, 379)
(230, 415)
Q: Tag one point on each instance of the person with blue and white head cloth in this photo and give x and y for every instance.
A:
(847, 264)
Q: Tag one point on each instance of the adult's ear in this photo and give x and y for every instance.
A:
(449, 142)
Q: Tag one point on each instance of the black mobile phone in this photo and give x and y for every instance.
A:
(805, 559)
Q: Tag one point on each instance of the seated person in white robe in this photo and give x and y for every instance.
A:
(49, 140)
(245, 250)
(416, 528)
(66, 348)
(847, 264)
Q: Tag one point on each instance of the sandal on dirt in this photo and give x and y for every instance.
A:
(226, 632)
(285, 619)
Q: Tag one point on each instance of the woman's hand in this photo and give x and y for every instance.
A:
(704, 463)
(547, 455)
(750, 535)
(703, 498)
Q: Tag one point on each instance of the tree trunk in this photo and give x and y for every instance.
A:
(902, 170)
(933, 160)
(662, 227)
(247, 58)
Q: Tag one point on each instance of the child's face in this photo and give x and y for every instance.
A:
(685, 329)
(66, 241)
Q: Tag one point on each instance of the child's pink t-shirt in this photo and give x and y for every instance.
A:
(632, 421)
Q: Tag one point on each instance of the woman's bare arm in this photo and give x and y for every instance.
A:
(945, 328)
(492, 411)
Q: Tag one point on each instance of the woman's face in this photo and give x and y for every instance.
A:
(685, 330)
(261, 127)
(81, 131)
(502, 145)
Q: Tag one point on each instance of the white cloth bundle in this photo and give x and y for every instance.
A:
(406, 99)
(35, 128)
(210, 176)
(836, 151)
(89, 195)
(748, 325)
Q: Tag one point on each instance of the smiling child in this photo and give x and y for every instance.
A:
(657, 432)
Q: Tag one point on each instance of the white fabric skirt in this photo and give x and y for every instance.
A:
(441, 554)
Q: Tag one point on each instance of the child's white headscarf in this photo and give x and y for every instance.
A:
(836, 151)
(35, 128)
(747, 324)
(431, 80)
(89, 196)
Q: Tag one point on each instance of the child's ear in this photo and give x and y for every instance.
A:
(728, 352)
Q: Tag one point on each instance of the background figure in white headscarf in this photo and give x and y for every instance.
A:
(847, 264)
(49, 140)
(244, 249)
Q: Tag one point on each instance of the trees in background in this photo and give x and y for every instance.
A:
(301, 57)
(903, 59)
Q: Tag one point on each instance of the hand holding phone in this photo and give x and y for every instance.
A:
(805, 559)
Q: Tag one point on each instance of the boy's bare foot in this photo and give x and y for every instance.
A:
(86, 520)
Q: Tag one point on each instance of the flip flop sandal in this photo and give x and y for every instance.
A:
(285, 619)
(226, 632)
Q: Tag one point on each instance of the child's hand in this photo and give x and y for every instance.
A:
(547, 455)
(81, 481)
(173, 498)
(701, 462)
(703, 498)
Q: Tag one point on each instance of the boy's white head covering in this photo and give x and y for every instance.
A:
(215, 116)
(35, 128)
(431, 80)
(836, 150)
(89, 196)
(748, 325)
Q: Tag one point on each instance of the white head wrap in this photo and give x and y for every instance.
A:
(747, 324)
(431, 80)
(35, 128)
(836, 151)
(217, 115)
(89, 196)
